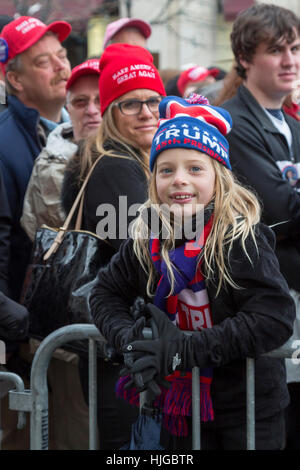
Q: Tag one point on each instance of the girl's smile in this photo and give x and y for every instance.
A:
(182, 198)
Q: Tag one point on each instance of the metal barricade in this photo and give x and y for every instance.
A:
(35, 400)
(286, 351)
(38, 382)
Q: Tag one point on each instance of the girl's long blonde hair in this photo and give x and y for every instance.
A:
(236, 212)
(94, 146)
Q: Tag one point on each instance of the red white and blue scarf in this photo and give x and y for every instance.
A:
(189, 309)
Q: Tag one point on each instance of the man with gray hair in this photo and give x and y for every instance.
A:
(42, 201)
(36, 72)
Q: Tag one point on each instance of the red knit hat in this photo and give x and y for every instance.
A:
(123, 68)
(22, 33)
(194, 74)
(89, 67)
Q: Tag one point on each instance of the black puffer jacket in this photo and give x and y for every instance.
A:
(247, 323)
(20, 143)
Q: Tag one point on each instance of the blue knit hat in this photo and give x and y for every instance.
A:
(192, 123)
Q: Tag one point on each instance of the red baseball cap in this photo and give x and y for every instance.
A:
(123, 68)
(22, 33)
(116, 26)
(89, 67)
(194, 74)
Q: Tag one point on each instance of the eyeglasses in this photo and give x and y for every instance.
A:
(80, 103)
(132, 107)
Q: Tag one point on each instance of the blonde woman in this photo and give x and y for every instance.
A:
(218, 279)
(130, 90)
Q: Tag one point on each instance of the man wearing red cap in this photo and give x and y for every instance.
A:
(191, 80)
(36, 72)
(83, 101)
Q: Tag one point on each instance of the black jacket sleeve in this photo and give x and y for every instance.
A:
(5, 231)
(14, 319)
(119, 284)
(261, 313)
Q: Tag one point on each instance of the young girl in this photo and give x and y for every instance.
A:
(221, 281)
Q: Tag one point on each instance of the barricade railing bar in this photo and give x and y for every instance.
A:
(35, 400)
(286, 351)
(16, 395)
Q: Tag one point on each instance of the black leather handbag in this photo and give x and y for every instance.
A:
(61, 275)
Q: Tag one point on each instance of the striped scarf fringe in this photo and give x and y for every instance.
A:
(174, 403)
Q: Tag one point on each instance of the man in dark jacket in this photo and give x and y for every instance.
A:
(36, 71)
(264, 141)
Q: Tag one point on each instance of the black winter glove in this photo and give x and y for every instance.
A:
(127, 334)
(133, 333)
(139, 381)
(14, 320)
(170, 350)
(130, 335)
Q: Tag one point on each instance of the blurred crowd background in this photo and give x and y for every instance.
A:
(184, 32)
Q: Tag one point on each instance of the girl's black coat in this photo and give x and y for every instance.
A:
(247, 323)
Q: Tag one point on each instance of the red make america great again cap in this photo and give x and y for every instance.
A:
(123, 68)
(22, 33)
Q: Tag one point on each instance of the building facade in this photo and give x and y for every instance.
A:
(192, 31)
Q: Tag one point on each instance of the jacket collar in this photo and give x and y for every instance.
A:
(110, 144)
(28, 116)
(255, 108)
(59, 142)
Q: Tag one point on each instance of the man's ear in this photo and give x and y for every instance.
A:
(244, 63)
(14, 80)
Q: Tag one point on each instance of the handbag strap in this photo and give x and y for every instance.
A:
(79, 200)
(79, 214)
